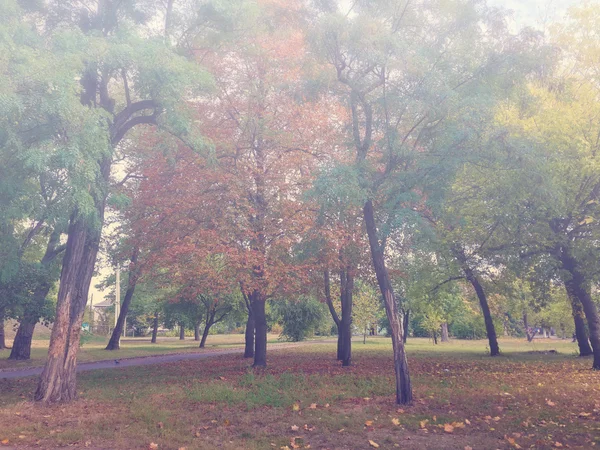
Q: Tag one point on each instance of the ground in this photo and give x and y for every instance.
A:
(527, 398)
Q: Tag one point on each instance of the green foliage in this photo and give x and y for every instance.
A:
(299, 318)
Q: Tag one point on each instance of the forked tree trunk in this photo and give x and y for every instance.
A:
(115, 339)
(583, 342)
(2, 333)
(197, 331)
(403, 386)
(580, 288)
(445, 337)
(346, 289)
(181, 332)
(334, 315)
(483, 303)
(154, 328)
(260, 328)
(58, 379)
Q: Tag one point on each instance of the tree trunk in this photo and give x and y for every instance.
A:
(334, 315)
(115, 339)
(21, 348)
(260, 327)
(58, 379)
(2, 333)
(249, 336)
(154, 329)
(209, 323)
(181, 332)
(405, 321)
(581, 290)
(583, 342)
(485, 309)
(346, 290)
(403, 386)
(197, 331)
(445, 337)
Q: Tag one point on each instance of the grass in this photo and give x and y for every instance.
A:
(304, 398)
(130, 348)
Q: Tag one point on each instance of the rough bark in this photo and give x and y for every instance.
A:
(583, 342)
(181, 332)
(483, 303)
(580, 288)
(197, 331)
(21, 349)
(154, 329)
(115, 339)
(403, 386)
(445, 337)
(58, 379)
(260, 328)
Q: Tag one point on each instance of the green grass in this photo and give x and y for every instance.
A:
(534, 398)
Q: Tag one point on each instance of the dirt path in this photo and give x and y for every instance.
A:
(150, 360)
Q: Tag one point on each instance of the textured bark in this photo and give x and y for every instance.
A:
(334, 314)
(58, 379)
(583, 342)
(154, 329)
(483, 303)
(205, 333)
(115, 339)
(403, 386)
(580, 287)
(181, 332)
(260, 327)
(197, 331)
(249, 336)
(445, 337)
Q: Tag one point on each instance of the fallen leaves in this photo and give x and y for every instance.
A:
(395, 421)
(373, 444)
(448, 428)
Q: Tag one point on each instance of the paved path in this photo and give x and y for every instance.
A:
(151, 360)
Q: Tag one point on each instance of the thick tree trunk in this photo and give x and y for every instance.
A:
(403, 386)
(181, 332)
(115, 339)
(334, 315)
(346, 289)
(579, 286)
(154, 329)
(583, 342)
(260, 327)
(58, 380)
(483, 303)
(405, 321)
(445, 337)
(2, 333)
(249, 336)
(197, 331)
(21, 348)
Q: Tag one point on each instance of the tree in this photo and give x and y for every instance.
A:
(366, 310)
(299, 317)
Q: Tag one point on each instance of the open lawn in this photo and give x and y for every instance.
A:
(304, 399)
(130, 348)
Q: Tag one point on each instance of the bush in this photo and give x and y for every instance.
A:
(298, 319)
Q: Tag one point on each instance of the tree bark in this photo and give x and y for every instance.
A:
(197, 331)
(181, 332)
(249, 336)
(346, 289)
(154, 328)
(2, 333)
(115, 339)
(209, 323)
(405, 322)
(403, 386)
(580, 288)
(21, 349)
(445, 337)
(260, 327)
(583, 342)
(58, 379)
(483, 303)
(334, 315)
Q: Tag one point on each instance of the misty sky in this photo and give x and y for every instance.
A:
(534, 12)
